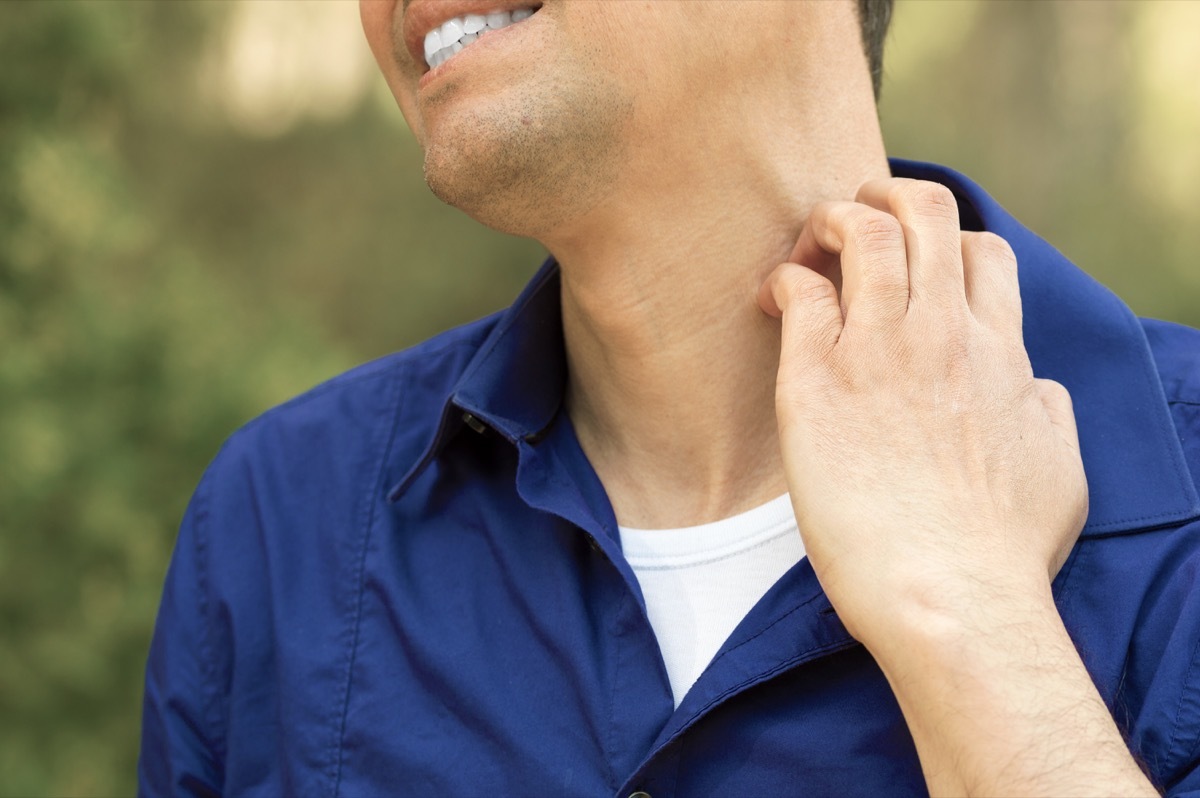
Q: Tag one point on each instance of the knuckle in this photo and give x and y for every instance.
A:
(875, 232)
(1016, 362)
(1054, 390)
(926, 199)
(890, 285)
(803, 289)
(946, 345)
(993, 247)
(957, 348)
(953, 335)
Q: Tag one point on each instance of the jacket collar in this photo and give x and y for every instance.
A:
(1079, 333)
(516, 381)
(1076, 332)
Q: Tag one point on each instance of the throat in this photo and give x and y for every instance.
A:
(677, 417)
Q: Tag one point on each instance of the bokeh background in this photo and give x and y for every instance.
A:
(207, 207)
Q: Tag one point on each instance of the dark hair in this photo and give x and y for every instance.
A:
(874, 16)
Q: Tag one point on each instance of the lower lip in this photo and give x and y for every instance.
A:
(494, 39)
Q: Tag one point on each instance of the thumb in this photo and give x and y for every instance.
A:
(808, 304)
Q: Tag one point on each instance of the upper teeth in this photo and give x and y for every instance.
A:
(442, 44)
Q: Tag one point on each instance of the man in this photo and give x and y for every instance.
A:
(544, 553)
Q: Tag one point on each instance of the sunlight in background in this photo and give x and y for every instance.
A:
(931, 29)
(1167, 65)
(1082, 117)
(283, 63)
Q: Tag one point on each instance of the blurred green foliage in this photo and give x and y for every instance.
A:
(124, 359)
(165, 275)
(162, 279)
(1082, 118)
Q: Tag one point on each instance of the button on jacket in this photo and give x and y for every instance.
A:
(408, 581)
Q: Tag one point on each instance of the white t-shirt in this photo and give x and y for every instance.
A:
(699, 582)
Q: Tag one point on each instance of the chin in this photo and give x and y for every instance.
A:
(492, 178)
(527, 166)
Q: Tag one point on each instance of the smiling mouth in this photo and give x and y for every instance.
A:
(454, 35)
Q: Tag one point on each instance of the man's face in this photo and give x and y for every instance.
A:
(542, 118)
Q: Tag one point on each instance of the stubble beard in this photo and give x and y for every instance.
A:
(530, 164)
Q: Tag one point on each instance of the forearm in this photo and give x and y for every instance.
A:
(999, 703)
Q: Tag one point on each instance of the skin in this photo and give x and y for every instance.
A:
(983, 490)
(662, 330)
(705, 378)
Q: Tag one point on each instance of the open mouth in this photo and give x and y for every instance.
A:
(455, 35)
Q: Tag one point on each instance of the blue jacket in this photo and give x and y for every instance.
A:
(408, 581)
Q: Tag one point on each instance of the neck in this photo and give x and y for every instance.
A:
(672, 364)
(672, 373)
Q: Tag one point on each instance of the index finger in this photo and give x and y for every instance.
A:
(870, 246)
(928, 214)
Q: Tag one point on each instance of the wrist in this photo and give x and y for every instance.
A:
(958, 616)
(991, 689)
